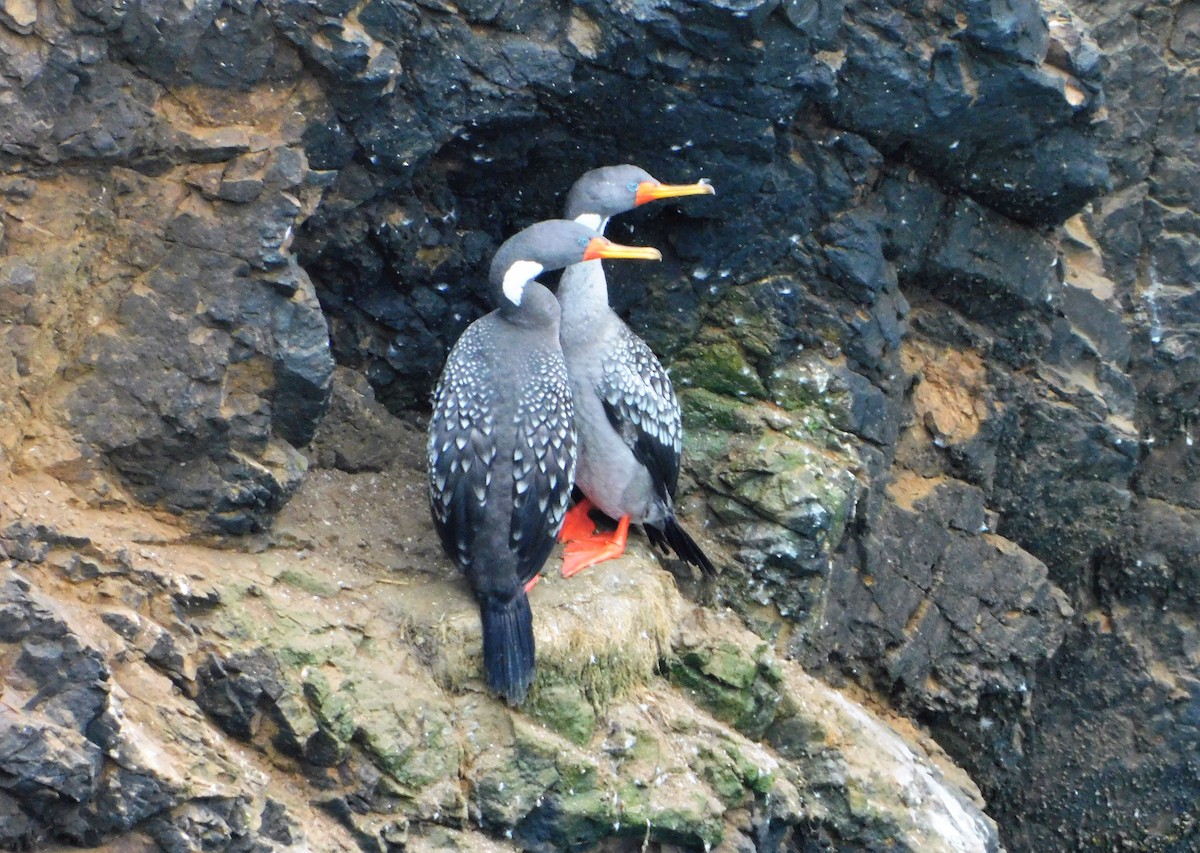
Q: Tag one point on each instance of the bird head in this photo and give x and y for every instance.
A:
(612, 190)
(551, 245)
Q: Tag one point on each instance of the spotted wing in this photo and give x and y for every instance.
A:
(642, 408)
(543, 462)
(461, 447)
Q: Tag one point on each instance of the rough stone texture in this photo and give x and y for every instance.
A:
(156, 324)
(1125, 681)
(936, 340)
(951, 612)
(95, 745)
(358, 434)
(326, 693)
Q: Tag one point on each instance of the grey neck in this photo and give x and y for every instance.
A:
(538, 309)
(583, 288)
(583, 293)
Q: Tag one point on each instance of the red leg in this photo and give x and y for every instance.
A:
(532, 582)
(578, 524)
(581, 553)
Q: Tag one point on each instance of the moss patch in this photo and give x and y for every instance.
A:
(585, 663)
(738, 685)
(330, 744)
(706, 411)
(307, 581)
(563, 707)
(410, 741)
(513, 782)
(718, 364)
(748, 314)
(749, 708)
(667, 815)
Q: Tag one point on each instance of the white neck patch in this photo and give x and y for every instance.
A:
(592, 220)
(519, 275)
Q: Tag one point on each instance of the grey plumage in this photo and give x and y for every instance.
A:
(500, 419)
(501, 446)
(640, 403)
(627, 414)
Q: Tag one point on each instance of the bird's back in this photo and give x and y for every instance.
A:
(501, 452)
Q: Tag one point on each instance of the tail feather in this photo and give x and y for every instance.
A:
(508, 646)
(681, 543)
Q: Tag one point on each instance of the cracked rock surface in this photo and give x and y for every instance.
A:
(936, 339)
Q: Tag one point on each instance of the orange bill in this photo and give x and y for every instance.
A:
(601, 247)
(652, 191)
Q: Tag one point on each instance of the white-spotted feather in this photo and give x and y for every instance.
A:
(639, 395)
(461, 434)
(544, 457)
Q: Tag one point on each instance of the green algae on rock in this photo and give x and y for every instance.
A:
(718, 364)
(783, 492)
(736, 685)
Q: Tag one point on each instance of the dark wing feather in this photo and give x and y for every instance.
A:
(461, 448)
(543, 462)
(641, 406)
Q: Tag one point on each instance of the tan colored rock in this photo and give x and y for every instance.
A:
(19, 15)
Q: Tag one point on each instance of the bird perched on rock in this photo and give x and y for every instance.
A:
(502, 441)
(626, 414)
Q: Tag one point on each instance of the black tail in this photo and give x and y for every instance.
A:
(681, 543)
(508, 646)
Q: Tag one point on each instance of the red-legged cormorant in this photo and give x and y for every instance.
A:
(626, 414)
(502, 441)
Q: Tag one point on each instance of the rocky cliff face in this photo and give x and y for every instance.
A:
(936, 338)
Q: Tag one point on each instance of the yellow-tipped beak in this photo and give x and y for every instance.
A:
(650, 191)
(600, 247)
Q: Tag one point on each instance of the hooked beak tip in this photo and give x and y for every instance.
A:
(648, 191)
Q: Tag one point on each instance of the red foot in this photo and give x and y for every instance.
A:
(532, 582)
(578, 524)
(581, 553)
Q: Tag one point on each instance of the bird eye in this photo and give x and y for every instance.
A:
(632, 187)
(583, 241)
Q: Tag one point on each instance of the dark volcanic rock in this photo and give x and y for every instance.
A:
(949, 444)
(1067, 490)
(88, 752)
(200, 359)
(971, 107)
(357, 434)
(228, 369)
(237, 691)
(950, 612)
(1113, 712)
(1115, 729)
(17, 829)
(55, 757)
